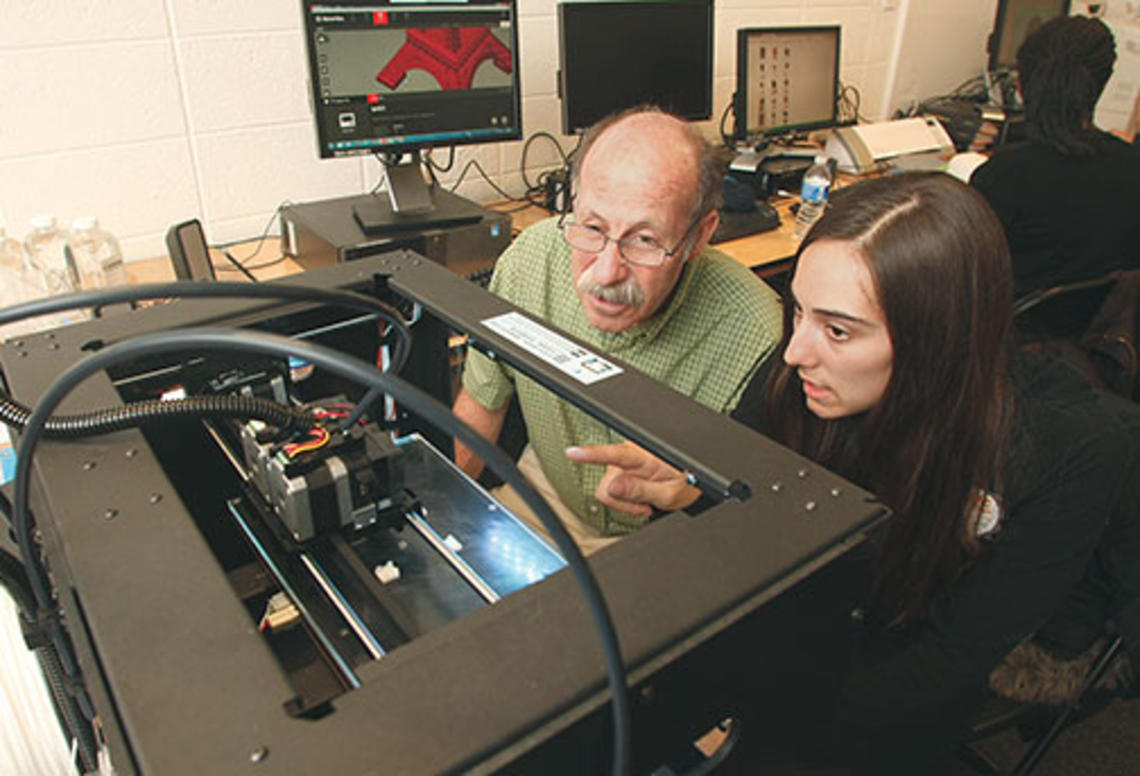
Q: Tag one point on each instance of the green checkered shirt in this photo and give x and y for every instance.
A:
(714, 332)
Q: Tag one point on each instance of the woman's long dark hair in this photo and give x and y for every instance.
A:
(1063, 66)
(940, 265)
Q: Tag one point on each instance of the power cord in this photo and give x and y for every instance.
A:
(260, 242)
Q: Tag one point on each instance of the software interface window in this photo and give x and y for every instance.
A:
(389, 75)
(791, 77)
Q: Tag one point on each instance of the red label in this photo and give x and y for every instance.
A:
(379, 18)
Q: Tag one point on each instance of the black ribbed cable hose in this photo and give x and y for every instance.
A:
(140, 413)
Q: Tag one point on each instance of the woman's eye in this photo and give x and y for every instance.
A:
(837, 332)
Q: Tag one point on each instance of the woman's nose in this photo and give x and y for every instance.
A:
(800, 351)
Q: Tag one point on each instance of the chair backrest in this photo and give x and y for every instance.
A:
(1111, 338)
(1062, 312)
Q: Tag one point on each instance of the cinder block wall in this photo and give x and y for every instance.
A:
(148, 112)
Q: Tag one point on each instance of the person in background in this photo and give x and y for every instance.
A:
(1067, 196)
(628, 273)
(1009, 478)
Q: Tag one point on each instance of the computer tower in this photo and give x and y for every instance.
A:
(325, 232)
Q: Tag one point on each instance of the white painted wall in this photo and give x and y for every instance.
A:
(943, 44)
(148, 112)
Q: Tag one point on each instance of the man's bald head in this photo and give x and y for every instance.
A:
(648, 138)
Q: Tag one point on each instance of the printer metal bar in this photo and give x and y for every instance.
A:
(637, 406)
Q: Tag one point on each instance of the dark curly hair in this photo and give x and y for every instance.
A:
(1064, 65)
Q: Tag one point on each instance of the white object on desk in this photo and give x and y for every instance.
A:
(860, 148)
(962, 165)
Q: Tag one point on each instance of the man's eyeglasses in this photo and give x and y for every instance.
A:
(635, 249)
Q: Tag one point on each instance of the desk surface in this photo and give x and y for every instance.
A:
(767, 253)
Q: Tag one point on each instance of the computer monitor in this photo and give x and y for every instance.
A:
(1015, 20)
(390, 77)
(617, 55)
(787, 80)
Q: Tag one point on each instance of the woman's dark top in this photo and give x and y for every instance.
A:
(1073, 463)
(1067, 218)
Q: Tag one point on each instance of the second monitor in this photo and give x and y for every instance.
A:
(617, 55)
(787, 80)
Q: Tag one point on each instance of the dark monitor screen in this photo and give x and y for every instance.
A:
(787, 79)
(397, 76)
(1015, 20)
(617, 55)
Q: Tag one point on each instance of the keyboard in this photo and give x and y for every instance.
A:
(734, 224)
(482, 276)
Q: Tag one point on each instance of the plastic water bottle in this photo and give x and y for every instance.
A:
(13, 270)
(96, 253)
(45, 245)
(813, 195)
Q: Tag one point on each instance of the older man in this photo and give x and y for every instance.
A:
(645, 290)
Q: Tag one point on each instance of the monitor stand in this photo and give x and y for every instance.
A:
(410, 204)
(750, 160)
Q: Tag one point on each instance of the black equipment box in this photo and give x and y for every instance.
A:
(325, 232)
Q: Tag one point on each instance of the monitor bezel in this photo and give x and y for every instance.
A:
(739, 106)
(993, 42)
(577, 125)
(398, 148)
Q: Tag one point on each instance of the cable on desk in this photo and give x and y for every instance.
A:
(432, 166)
(725, 137)
(260, 239)
(475, 163)
(526, 148)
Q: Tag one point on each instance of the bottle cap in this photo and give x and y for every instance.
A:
(43, 222)
(84, 223)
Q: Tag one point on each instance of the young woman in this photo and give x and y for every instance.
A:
(1001, 472)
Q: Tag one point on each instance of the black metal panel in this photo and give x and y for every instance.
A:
(185, 683)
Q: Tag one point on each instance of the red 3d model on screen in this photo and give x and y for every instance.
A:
(451, 55)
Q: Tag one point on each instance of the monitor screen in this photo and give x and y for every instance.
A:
(617, 55)
(397, 76)
(787, 79)
(1015, 20)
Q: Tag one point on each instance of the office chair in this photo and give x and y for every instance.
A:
(1110, 340)
(1062, 312)
(1040, 724)
(1055, 320)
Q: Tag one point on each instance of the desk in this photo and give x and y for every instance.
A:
(267, 264)
(768, 253)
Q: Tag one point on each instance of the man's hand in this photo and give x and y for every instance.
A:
(636, 481)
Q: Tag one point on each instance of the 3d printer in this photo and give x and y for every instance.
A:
(330, 594)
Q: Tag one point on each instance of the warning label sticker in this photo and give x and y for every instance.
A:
(566, 356)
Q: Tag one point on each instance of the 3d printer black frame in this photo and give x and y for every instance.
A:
(184, 684)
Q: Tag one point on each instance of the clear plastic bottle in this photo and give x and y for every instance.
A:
(47, 256)
(13, 270)
(813, 195)
(96, 254)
